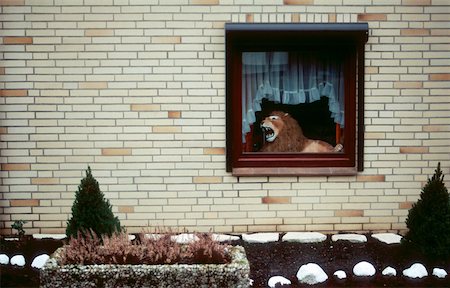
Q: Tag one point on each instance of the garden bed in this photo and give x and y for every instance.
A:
(277, 258)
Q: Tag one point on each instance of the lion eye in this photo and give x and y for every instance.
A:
(274, 117)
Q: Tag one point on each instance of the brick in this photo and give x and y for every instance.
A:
(414, 32)
(372, 17)
(408, 85)
(414, 150)
(405, 205)
(17, 40)
(145, 107)
(93, 85)
(13, 93)
(15, 167)
(416, 2)
(440, 77)
(249, 18)
(349, 213)
(174, 114)
(3, 130)
(126, 209)
(332, 17)
(370, 178)
(98, 32)
(214, 151)
(298, 2)
(275, 200)
(44, 181)
(116, 151)
(205, 2)
(166, 129)
(24, 203)
(166, 39)
(207, 179)
(12, 2)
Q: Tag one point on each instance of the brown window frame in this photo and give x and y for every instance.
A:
(351, 37)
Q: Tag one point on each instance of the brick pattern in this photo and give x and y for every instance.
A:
(137, 92)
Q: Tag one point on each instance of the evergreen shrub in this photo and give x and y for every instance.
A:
(428, 220)
(91, 212)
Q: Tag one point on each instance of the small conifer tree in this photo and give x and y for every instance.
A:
(429, 219)
(91, 211)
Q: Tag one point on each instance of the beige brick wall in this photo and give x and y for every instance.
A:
(136, 90)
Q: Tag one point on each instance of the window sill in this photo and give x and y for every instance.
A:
(294, 171)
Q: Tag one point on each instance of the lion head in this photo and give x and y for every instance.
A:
(282, 133)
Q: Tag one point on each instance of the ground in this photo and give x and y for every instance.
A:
(278, 258)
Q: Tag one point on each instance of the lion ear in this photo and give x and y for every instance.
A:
(286, 114)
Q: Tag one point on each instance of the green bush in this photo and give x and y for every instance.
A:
(90, 211)
(429, 219)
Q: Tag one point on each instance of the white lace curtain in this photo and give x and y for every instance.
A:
(290, 78)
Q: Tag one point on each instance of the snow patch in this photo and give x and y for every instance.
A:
(389, 271)
(18, 260)
(440, 273)
(274, 280)
(4, 259)
(39, 261)
(416, 270)
(388, 238)
(311, 274)
(340, 274)
(49, 236)
(354, 238)
(224, 237)
(364, 269)
(304, 237)
(260, 237)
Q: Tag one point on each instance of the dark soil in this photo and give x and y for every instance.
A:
(279, 258)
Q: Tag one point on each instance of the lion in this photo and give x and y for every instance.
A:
(282, 133)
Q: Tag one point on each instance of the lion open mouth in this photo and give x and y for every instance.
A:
(269, 134)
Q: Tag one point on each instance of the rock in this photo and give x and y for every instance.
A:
(224, 237)
(354, 238)
(49, 236)
(340, 274)
(416, 270)
(440, 273)
(39, 261)
(311, 274)
(304, 237)
(260, 237)
(364, 269)
(389, 271)
(184, 238)
(388, 238)
(274, 280)
(18, 260)
(4, 259)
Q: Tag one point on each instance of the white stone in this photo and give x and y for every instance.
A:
(50, 236)
(131, 237)
(224, 237)
(274, 280)
(153, 236)
(354, 238)
(389, 271)
(388, 238)
(4, 259)
(260, 237)
(18, 260)
(416, 270)
(440, 273)
(184, 238)
(304, 237)
(340, 274)
(311, 274)
(39, 261)
(364, 269)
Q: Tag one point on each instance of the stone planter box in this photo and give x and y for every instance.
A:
(234, 274)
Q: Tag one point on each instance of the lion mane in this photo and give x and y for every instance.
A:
(282, 133)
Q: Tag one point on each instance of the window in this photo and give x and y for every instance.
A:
(295, 98)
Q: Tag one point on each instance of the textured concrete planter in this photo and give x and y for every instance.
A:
(235, 274)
